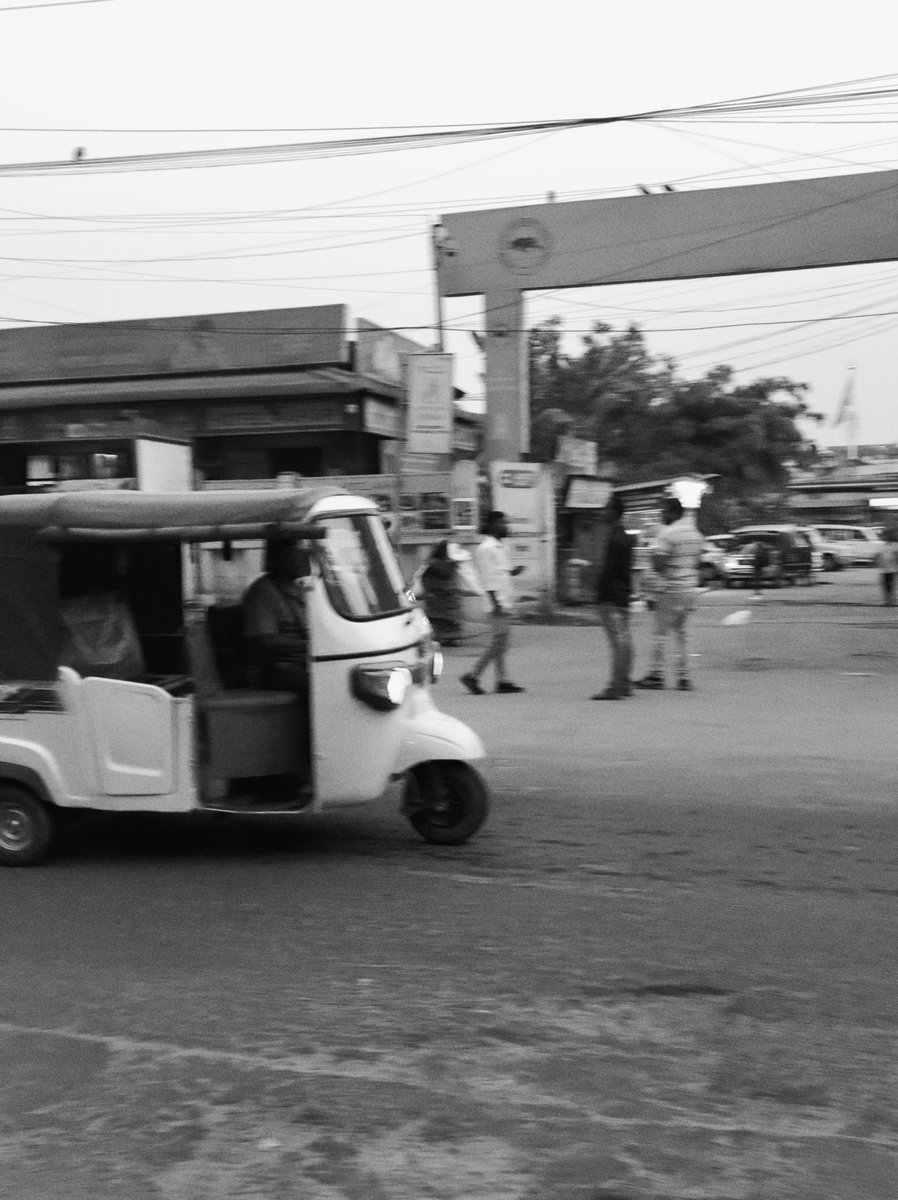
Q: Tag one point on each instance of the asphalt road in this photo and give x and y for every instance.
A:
(665, 969)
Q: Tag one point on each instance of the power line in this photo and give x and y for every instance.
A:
(751, 107)
(50, 4)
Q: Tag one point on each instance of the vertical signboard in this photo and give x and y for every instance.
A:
(516, 492)
(429, 404)
(525, 493)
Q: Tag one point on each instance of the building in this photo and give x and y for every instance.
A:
(258, 396)
(844, 485)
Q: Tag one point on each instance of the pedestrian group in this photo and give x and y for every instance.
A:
(674, 556)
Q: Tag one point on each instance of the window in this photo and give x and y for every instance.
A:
(359, 569)
(42, 469)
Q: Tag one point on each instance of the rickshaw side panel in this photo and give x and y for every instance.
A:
(41, 761)
(97, 748)
(134, 737)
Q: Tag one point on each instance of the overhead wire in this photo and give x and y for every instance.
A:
(737, 109)
(388, 141)
(50, 4)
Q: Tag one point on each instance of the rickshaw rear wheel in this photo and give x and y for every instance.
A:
(26, 828)
(446, 802)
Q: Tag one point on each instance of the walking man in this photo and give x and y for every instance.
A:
(495, 572)
(613, 593)
(676, 559)
(887, 561)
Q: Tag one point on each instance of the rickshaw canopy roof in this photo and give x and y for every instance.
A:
(190, 516)
(30, 620)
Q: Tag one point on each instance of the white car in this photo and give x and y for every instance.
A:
(832, 556)
(857, 543)
(712, 562)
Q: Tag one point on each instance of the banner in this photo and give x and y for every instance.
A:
(578, 455)
(518, 492)
(429, 404)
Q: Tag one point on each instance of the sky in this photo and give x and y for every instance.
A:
(136, 77)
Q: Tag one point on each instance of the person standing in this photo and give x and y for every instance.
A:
(887, 562)
(613, 594)
(495, 573)
(676, 559)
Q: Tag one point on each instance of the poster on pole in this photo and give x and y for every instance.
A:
(429, 404)
(525, 493)
(518, 492)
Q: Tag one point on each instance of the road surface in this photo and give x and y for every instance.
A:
(664, 970)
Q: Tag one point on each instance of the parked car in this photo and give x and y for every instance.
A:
(712, 562)
(792, 557)
(855, 543)
(834, 554)
(819, 560)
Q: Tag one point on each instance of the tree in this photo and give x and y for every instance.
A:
(652, 423)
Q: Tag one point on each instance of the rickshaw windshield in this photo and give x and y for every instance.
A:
(359, 568)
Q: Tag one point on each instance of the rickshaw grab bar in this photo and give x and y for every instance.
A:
(186, 533)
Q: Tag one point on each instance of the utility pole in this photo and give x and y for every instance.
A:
(437, 240)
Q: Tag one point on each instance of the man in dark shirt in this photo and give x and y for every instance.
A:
(274, 621)
(613, 593)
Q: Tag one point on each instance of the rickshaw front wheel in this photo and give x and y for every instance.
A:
(446, 802)
(26, 828)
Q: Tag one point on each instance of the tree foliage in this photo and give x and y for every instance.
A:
(651, 423)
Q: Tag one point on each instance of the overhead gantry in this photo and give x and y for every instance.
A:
(502, 253)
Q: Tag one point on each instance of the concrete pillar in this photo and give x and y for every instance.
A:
(507, 379)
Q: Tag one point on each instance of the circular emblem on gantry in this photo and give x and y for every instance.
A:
(524, 246)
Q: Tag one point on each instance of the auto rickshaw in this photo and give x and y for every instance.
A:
(121, 687)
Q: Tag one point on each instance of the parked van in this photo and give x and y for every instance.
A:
(793, 558)
(852, 543)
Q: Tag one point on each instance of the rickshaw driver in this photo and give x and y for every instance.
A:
(275, 633)
(274, 622)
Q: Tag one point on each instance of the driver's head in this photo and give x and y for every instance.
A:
(614, 509)
(285, 559)
(495, 525)
(673, 510)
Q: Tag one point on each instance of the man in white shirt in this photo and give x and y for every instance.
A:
(675, 557)
(495, 572)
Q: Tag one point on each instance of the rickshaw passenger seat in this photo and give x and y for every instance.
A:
(248, 732)
(225, 622)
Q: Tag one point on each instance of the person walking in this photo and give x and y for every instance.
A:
(675, 556)
(760, 560)
(613, 594)
(495, 573)
(442, 594)
(887, 562)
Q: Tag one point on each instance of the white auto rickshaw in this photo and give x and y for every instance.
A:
(120, 680)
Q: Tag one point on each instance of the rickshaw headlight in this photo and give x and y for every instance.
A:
(384, 688)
